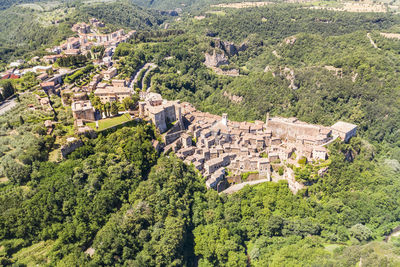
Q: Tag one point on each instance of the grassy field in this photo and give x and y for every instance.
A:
(242, 5)
(34, 255)
(216, 12)
(331, 247)
(110, 122)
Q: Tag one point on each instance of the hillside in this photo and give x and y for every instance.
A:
(119, 201)
(27, 28)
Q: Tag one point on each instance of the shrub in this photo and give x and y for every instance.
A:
(360, 232)
(302, 161)
(281, 170)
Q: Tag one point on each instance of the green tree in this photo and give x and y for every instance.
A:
(21, 120)
(8, 89)
(16, 172)
(107, 108)
(360, 232)
(128, 103)
(114, 108)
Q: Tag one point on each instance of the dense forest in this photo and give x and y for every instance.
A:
(115, 201)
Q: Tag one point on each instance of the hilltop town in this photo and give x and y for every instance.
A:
(220, 149)
(217, 146)
(201, 132)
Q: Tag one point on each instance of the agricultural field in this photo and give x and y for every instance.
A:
(243, 5)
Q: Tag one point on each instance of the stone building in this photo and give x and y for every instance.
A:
(81, 28)
(162, 113)
(112, 93)
(83, 110)
(319, 153)
(118, 83)
(215, 178)
(110, 73)
(292, 129)
(344, 130)
(236, 146)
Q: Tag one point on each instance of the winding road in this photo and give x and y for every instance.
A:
(148, 67)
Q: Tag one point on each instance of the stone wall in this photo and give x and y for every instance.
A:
(291, 130)
(159, 121)
(294, 186)
(170, 113)
(169, 138)
(70, 147)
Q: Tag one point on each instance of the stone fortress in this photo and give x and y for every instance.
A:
(214, 145)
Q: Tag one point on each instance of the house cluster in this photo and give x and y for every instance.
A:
(117, 91)
(213, 144)
(14, 73)
(88, 36)
(161, 112)
(103, 86)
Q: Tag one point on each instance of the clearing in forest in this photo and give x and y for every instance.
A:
(243, 4)
(355, 7)
(391, 35)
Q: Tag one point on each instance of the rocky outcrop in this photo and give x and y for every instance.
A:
(290, 40)
(289, 75)
(221, 52)
(229, 48)
(338, 71)
(294, 186)
(269, 69)
(233, 98)
(216, 59)
(230, 72)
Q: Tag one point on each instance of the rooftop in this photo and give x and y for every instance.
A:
(81, 106)
(342, 126)
(113, 90)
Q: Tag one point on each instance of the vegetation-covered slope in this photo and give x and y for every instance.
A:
(115, 201)
(26, 29)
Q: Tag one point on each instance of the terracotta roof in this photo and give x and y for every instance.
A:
(45, 84)
(10, 76)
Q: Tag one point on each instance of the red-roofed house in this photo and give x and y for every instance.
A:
(10, 76)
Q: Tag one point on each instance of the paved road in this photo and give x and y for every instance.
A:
(152, 67)
(148, 67)
(137, 75)
(7, 105)
(237, 187)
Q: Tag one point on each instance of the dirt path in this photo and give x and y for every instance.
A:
(395, 232)
(372, 41)
(237, 187)
(7, 105)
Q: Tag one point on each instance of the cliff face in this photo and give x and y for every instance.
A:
(222, 50)
(216, 59)
(229, 48)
